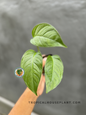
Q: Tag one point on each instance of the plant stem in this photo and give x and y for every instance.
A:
(38, 48)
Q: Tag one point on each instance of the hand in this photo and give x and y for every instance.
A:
(22, 107)
(42, 81)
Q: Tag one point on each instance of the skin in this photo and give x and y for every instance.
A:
(23, 105)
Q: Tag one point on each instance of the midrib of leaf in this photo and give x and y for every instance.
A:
(52, 67)
(44, 37)
(50, 39)
(32, 68)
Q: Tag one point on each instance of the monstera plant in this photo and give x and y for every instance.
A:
(44, 35)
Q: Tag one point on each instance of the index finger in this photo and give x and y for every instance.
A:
(44, 60)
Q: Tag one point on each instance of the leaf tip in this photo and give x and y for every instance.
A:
(65, 46)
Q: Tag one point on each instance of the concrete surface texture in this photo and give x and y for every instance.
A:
(17, 18)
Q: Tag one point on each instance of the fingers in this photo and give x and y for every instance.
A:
(43, 78)
(41, 86)
(44, 60)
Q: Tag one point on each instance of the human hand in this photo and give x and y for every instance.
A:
(22, 106)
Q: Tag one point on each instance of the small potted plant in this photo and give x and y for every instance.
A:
(36, 70)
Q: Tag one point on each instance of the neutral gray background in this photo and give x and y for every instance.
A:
(17, 18)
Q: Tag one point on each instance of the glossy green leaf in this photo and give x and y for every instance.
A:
(53, 72)
(45, 35)
(31, 62)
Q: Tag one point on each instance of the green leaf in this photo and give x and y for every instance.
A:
(53, 72)
(31, 62)
(45, 35)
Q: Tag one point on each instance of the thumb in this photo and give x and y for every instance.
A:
(44, 61)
